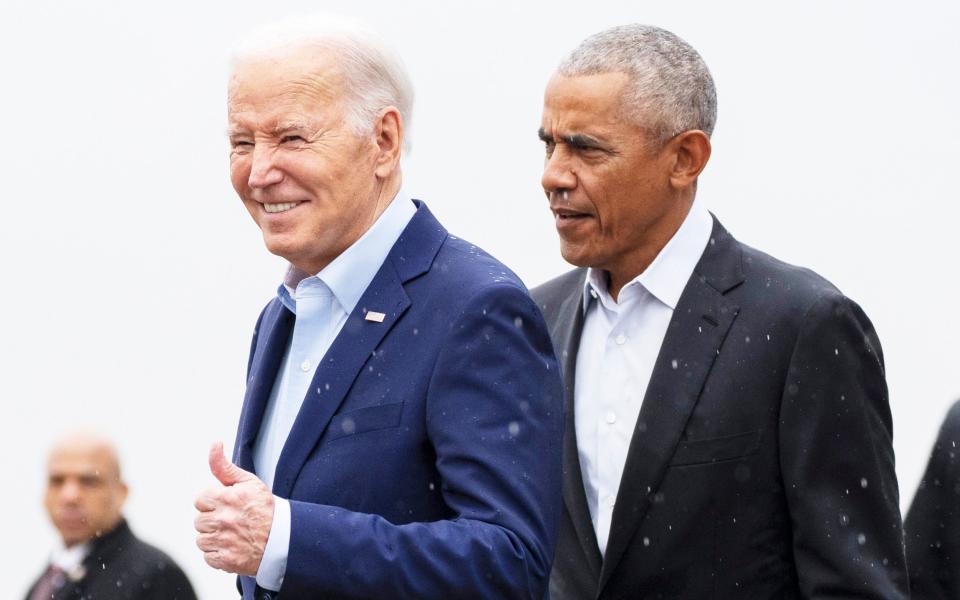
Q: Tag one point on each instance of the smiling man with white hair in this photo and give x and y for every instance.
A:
(400, 435)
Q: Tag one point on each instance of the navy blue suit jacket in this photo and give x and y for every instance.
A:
(425, 461)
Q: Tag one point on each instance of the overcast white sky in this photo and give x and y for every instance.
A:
(132, 276)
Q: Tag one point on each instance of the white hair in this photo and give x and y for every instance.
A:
(670, 90)
(375, 75)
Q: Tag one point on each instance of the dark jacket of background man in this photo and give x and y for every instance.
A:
(122, 567)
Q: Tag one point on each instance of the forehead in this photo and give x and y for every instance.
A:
(297, 83)
(80, 460)
(584, 102)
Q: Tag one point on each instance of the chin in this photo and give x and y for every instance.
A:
(72, 538)
(576, 256)
(281, 246)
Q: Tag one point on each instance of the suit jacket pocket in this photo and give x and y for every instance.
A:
(366, 419)
(699, 452)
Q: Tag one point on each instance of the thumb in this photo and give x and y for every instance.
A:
(224, 470)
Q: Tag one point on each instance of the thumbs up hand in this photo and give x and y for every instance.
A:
(235, 517)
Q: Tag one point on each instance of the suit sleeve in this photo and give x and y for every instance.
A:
(836, 453)
(494, 419)
(933, 522)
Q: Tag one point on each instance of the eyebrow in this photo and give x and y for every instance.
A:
(277, 130)
(576, 140)
(287, 126)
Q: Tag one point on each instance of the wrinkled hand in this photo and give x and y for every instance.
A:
(235, 517)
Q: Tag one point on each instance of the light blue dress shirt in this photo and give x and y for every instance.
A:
(321, 303)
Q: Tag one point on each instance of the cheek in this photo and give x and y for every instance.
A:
(597, 196)
(239, 173)
(98, 505)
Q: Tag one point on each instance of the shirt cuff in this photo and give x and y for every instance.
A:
(273, 565)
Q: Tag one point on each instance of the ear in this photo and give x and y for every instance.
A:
(121, 494)
(691, 151)
(388, 132)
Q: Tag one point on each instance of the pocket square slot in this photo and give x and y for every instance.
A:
(695, 452)
(366, 419)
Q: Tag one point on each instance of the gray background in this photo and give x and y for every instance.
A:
(133, 276)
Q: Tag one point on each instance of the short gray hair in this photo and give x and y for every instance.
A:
(376, 76)
(670, 88)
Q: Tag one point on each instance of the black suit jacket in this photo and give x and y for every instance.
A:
(933, 521)
(121, 567)
(761, 465)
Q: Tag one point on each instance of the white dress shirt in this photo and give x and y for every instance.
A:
(618, 349)
(70, 560)
(322, 303)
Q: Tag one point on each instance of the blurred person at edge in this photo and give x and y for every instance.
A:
(401, 431)
(728, 429)
(99, 557)
(932, 525)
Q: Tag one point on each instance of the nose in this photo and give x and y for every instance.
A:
(70, 491)
(558, 174)
(263, 170)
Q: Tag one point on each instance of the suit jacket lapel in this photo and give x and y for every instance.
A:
(334, 376)
(566, 333)
(700, 323)
(411, 255)
(272, 337)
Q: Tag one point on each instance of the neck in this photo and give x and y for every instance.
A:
(387, 192)
(630, 265)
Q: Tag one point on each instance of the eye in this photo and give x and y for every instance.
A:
(292, 139)
(241, 145)
(549, 146)
(89, 481)
(589, 152)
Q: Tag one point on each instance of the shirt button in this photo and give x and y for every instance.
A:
(611, 417)
(305, 366)
(621, 339)
(611, 500)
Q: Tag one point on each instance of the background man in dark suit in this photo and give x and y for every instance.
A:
(728, 430)
(402, 428)
(932, 525)
(100, 556)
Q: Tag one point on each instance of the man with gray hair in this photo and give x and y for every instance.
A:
(401, 431)
(728, 430)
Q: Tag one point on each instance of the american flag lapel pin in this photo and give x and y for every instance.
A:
(374, 316)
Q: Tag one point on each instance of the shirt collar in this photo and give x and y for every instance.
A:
(667, 275)
(349, 275)
(69, 559)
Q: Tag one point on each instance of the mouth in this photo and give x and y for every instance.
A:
(563, 210)
(565, 214)
(72, 520)
(274, 208)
